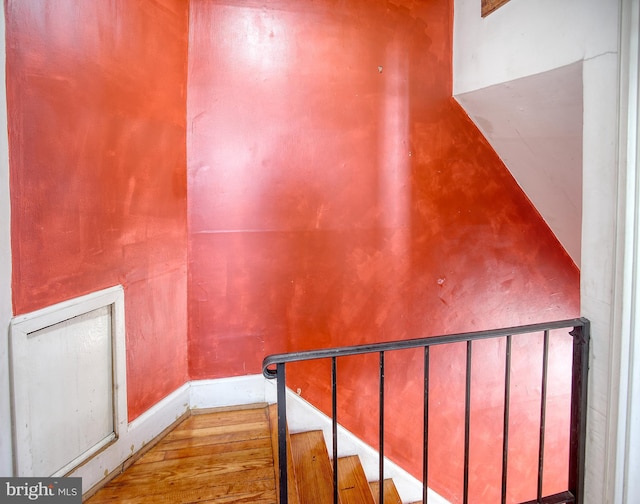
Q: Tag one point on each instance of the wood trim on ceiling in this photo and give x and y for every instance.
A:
(488, 6)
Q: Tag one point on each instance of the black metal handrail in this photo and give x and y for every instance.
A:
(273, 366)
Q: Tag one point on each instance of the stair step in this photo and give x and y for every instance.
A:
(310, 471)
(391, 495)
(352, 482)
(292, 490)
(312, 467)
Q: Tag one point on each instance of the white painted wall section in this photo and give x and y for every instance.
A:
(526, 37)
(68, 382)
(6, 458)
(599, 263)
(624, 351)
(535, 125)
(517, 73)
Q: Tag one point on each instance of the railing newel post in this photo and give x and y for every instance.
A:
(505, 425)
(381, 448)
(543, 411)
(334, 425)
(577, 440)
(282, 433)
(467, 424)
(425, 435)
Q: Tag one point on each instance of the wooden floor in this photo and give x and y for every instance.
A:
(220, 457)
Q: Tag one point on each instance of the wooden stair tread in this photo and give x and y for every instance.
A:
(391, 495)
(292, 490)
(352, 482)
(312, 466)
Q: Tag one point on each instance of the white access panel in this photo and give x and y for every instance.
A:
(65, 375)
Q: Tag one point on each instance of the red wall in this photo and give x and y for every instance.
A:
(338, 195)
(96, 97)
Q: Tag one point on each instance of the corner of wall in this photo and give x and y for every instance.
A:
(201, 394)
(6, 453)
(600, 223)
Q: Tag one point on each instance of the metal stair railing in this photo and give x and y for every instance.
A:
(273, 367)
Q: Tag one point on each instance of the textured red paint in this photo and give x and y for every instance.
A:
(96, 96)
(338, 195)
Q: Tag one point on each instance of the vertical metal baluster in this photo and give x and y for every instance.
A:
(505, 425)
(425, 453)
(577, 438)
(467, 421)
(282, 433)
(543, 411)
(381, 460)
(334, 426)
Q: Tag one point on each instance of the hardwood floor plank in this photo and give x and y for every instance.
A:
(207, 494)
(213, 470)
(219, 457)
(238, 415)
(262, 498)
(251, 430)
(241, 417)
(216, 448)
(151, 456)
(216, 443)
(182, 459)
(213, 475)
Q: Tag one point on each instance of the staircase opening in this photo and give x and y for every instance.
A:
(507, 445)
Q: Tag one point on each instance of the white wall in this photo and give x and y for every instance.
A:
(534, 123)
(623, 413)
(5, 270)
(518, 74)
(501, 47)
(597, 281)
(526, 38)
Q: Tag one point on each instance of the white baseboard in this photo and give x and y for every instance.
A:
(239, 391)
(234, 391)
